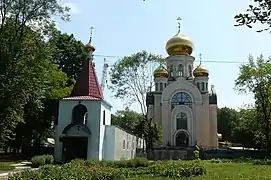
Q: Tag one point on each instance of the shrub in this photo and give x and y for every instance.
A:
(72, 171)
(177, 169)
(196, 155)
(49, 159)
(133, 163)
(38, 161)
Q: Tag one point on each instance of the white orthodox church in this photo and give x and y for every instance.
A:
(182, 102)
(83, 129)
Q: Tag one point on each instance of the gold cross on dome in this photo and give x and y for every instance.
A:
(91, 31)
(200, 58)
(179, 19)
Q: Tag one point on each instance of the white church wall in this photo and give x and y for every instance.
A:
(94, 116)
(105, 119)
(125, 144)
(213, 126)
(64, 119)
(119, 144)
(109, 143)
(93, 123)
(180, 86)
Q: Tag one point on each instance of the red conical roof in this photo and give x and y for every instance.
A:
(87, 86)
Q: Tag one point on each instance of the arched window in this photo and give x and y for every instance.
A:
(79, 114)
(190, 71)
(180, 70)
(181, 98)
(181, 119)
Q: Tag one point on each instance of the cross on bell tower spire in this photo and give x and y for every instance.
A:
(179, 19)
(200, 58)
(91, 31)
(89, 47)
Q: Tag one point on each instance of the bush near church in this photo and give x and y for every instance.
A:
(38, 161)
(114, 170)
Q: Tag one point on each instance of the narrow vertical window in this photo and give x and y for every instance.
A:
(180, 70)
(206, 87)
(171, 70)
(123, 145)
(103, 117)
(198, 85)
(190, 71)
(202, 86)
(156, 86)
(161, 86)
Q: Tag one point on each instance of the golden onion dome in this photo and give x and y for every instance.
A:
(179, 44)
(201, 71)
(160, 72)
(89, 48)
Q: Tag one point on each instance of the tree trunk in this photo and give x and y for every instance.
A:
(267, 136)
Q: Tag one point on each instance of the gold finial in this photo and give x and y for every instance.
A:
(91, 31)
(200, 58)
(179, 19)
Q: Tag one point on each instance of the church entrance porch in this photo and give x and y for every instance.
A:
(182, 139)
(74, 147)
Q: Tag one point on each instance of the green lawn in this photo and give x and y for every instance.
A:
(229, 171)
(6, 166)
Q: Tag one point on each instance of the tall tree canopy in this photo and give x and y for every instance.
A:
(259, 11)
(132, 77)
(226, 117)
(255, 77)
(68, 53)
(25, 62)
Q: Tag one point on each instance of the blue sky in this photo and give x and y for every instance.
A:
(124, 27)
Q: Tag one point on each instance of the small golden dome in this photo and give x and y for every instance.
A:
(179, 44)
(201, 71)
(160, 72)
(89, 47)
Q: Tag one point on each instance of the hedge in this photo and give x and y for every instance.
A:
(113, 170)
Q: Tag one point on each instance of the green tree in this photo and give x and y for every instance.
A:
(255, 77)
(226, 118)
(247, 129)
(132, 77)
(24, 57)
(128, 120)
(68, 53)
(259, 11)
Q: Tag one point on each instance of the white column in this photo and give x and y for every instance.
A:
(166, 123)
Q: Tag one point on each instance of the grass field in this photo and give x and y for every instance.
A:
(6, 166)
(227, 171)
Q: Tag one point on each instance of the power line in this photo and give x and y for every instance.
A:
(207, 61)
